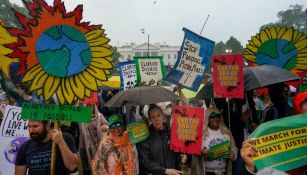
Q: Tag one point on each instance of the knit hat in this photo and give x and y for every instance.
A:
(114, 119)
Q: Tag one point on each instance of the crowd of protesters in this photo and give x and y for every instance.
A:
(102, 147)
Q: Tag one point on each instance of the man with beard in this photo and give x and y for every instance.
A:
(34, 155)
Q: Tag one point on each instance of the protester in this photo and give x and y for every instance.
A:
(300, 102)
(34, 155)
(215, 132)
(90, 136)
(156, 156)
(115, 154)
(259, 105)
(21, 94)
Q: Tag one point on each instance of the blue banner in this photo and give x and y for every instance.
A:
(193, 59)
(127, 74)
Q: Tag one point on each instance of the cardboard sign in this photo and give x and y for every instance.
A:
(59, 54)
(137, 131)
(282, 143)
(219, 151)
(194, 56)
(13, 134)
(187, 129)
(56, 112)
(127, 72)
(228, 76)
(150, 70)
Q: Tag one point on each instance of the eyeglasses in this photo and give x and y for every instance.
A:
(117, 125)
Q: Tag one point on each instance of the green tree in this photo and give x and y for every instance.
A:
(116, 55)
(219, 48)
(7, 15)
(292, 17)
(234, 45)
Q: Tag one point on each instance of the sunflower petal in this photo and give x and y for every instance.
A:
(88, 80)
(32, 73)
(77, 86)
(99, 83)
(301, 44)
(39, 92)
(51, 85)
(102, 52)
(98, 41)
(67, 91)
(273, 32)
(288, 35)
(36, 84)
(93, 34)
(97, 73)
(101, 63)
(87, 93)
(60, 95)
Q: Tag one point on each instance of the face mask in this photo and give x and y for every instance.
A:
(168, 111)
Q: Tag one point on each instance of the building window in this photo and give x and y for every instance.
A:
(129, 57)
(138, 54)
(154, 53)
(145, 53)
(169, 56)
(175, 56)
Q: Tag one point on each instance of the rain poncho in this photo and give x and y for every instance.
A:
(90, 136)
(115, 156)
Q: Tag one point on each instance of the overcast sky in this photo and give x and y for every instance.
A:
(164, 19)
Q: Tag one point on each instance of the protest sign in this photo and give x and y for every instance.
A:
(137, 131)
(55, 112)
(193, 58)
(127, 74)
(92, 99)
(282, 143)
(150, 70)
(228, 76)
(187, 129)
(59, 53)
(13, 134)
(220, 150)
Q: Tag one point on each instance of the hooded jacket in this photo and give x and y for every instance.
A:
(197, 165)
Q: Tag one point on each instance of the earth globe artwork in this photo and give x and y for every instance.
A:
(12, 148)
(63, 51)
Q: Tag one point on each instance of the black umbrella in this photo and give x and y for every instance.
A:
(264, 75)
(143, 95)
(254, 78)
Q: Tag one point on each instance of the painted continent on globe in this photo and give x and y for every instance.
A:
(63, 51)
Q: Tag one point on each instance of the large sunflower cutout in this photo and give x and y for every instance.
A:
(279, 46)
(61, 55)
(5, 60)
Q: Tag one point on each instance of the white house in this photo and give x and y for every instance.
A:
(169, 53)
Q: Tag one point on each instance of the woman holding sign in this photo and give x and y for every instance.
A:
(218, 146)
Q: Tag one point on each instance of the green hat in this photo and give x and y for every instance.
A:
(215, 113)
(115, 118)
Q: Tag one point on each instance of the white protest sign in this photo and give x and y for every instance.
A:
(128, 73)
(190, 62)
(13, 133)
(150, 71)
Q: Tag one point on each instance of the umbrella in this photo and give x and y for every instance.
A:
(141, 96)
(113, 82)
(264, 75)
(254, 77)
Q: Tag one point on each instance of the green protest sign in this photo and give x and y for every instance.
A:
(282, 143)
(149, 70)
(55, 112)
(137, 131)
(219, 151)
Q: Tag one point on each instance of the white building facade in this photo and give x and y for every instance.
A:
(169, 53)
